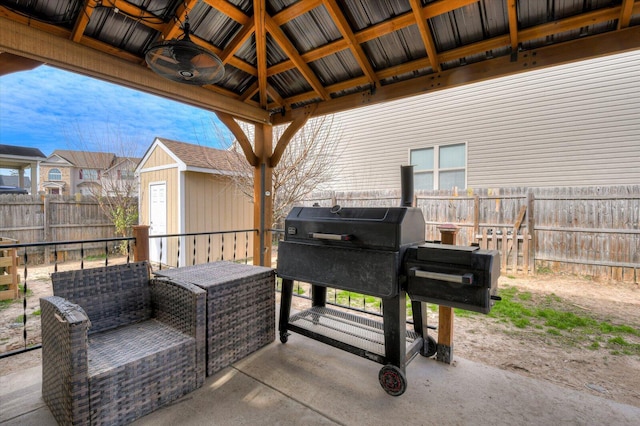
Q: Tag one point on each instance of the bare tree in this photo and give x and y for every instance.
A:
(109, 176)
(307, 164)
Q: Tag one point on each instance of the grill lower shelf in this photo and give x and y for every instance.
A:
(349, 329)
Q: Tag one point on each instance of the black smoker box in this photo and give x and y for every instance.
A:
(454, 276)
(356, 249)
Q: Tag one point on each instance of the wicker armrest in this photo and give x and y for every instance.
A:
(183, 307)
(64, 358)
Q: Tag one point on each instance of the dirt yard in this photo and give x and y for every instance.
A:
(594, 348)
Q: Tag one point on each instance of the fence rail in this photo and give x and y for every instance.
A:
(590, 231)
(49, 218)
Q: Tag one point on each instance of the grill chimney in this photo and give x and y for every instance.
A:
(406, 185)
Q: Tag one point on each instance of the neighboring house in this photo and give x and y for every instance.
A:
(84, 172)
(187, 188)
(572, 125)
(21, 159)
(120, 179)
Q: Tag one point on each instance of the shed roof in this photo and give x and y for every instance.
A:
(204, 157)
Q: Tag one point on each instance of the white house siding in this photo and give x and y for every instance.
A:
(571, 125)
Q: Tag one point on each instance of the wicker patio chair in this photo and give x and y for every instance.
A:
(117, 345)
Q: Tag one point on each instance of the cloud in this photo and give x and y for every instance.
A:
(53, 109)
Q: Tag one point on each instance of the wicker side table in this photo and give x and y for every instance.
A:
(240, 308)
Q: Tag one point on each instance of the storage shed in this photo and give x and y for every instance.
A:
(187, 189)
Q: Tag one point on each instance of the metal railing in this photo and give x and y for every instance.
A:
(219, 245)
(111, 245)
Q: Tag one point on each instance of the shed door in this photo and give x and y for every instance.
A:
(158, 222)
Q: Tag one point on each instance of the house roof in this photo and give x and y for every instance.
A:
(18, 157)
(86, 159)
(21, 151)
(285, 58)
(204, 157)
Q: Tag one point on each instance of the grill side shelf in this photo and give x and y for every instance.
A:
(352, 333)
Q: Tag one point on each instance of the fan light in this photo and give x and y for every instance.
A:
(184, 61)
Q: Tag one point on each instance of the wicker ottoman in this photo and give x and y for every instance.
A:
(240, 308)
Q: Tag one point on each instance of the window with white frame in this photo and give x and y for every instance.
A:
(439, 167)
(88, 174)
(54, 174)
(125, 174)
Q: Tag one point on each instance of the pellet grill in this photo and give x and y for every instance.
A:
(378, 251)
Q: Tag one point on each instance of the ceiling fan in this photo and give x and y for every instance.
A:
(183, 61)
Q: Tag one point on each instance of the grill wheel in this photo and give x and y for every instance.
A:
(392, 380)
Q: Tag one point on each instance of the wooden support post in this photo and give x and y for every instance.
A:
(263, 195)
(445, 314)
(141, 247)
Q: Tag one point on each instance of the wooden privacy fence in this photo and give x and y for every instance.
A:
(589, 231)
(47, 218)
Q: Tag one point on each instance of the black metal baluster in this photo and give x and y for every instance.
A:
(193, 262)
(106, 253)
(55, 258)
(128, 250)
(24, 301)
(222, 250)
(178, 258)
(246, 247)
(81, 256)
(235, 243)
(160, 262)
(209, 248)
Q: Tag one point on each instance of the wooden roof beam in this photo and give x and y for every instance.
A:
(571, 51)
(240, 136)
(132, 12)
(625, 14)
(431, 10)
(250, 92)
(347, 34)
(275, 96)
(291, 12)
(512, 10)
(174, 29)
(83, 20)
(237, 42)
(289, 133)
(29, 42)
(571, 23)
(230, 10)
(378, 30)
(291, 51)
(259, 18)
(479, 47)
(425, 34)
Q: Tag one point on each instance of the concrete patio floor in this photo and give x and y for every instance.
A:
(305, 382)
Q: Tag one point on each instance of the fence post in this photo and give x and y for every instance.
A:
(46, 219)
(448, 234)
(532, 232)
(141, 247)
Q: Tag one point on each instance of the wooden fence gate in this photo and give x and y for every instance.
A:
(9, 278)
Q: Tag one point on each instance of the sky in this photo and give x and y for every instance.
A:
(49, 109)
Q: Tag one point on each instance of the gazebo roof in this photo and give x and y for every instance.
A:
(287, 58)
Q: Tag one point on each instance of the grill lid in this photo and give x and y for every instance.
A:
(385, 228)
